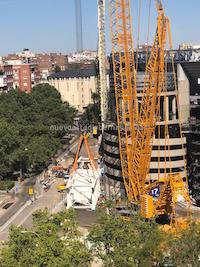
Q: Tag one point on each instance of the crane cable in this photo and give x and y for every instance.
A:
(138, 35)
(148, 30)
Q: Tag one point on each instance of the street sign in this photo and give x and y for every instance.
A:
(155, 192)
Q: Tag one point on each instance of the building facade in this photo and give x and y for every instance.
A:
(168, 145)
(44, 63)
(187, 69)
(22, 77)
(75, 86)
(8, 72)
(192, 128)
(3, 85)
(18, 75)
(48, 62)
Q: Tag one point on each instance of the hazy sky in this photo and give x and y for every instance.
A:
(49, 25)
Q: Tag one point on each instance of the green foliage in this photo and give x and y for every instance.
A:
(92, 114)
(6, 185)
(121, 243)
(57, 69)
(185, 249)
(138, 243)
(29, 127)
(52, 242)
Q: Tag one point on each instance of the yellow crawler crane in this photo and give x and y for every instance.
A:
(137, 122)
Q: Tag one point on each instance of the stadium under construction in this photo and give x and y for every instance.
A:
(178, 109)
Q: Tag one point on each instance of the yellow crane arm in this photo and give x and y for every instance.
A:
(125, 87)
(150, 103)
(135, 130)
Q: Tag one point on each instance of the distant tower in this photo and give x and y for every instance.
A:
(79, 34)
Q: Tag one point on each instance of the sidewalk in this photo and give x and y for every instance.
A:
(23, 216)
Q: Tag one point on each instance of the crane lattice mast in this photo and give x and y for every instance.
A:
(102, 62)
(125, 87)
(136, 129)
(154, 85)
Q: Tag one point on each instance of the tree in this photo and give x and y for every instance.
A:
(92, 114)
(139, 243)
(121, 243)
(31, 127)
(95, 98)
(8, 143)
(53, 241)
(57, 69)
(184, 249)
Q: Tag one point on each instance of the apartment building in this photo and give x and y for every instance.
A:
(3, 85)
(75, 86)
(8, 72)
(48, 62)
(18, 75)
(43, 63)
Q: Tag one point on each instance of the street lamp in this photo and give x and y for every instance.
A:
(20, 171)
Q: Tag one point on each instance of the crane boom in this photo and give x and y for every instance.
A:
(125, 87)
(150, 102)
(136, 129)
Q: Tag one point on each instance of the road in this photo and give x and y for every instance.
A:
(21, 212)
(23, 215)
(23, 197)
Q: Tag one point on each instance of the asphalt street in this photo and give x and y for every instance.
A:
(21, 212)
(22, 198)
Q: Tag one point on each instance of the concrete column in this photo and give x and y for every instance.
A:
(166, 109)
(183, 95)
(174, 108)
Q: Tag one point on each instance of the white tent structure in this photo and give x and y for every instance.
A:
(83, 187)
